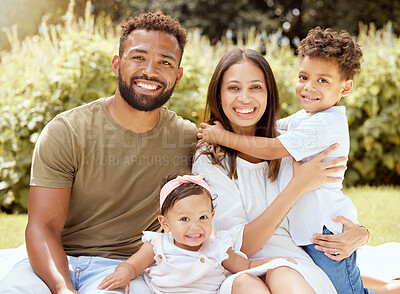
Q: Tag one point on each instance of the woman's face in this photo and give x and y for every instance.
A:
(244, 96)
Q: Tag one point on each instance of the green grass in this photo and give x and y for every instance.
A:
(378, 210)
(12, 230)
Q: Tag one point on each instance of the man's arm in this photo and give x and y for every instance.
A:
(47, 214)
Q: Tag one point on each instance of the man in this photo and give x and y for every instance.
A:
(97, 168)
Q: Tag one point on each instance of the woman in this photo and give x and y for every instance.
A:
(243, 96)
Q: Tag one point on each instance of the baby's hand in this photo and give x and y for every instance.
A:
(115, 280)
(211, 133)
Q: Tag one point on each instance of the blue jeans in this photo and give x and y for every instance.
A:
(86, 274)
(344, 274)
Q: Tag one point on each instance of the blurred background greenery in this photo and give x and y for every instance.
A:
(57, 55)
(213, 17)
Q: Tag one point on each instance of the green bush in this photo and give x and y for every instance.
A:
(70, 64)
(373, 111)
(40, 77)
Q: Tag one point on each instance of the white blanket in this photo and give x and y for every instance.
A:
(381, 261)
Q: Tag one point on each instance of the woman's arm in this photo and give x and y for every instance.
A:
(352, 238)
(306, 177)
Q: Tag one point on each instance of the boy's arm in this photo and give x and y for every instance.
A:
(260, 147)
(129, 269)
(236, 263)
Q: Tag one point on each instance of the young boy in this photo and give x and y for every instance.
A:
(329, 61)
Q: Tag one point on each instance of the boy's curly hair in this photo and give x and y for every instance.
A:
(328, 44)
(153, 22)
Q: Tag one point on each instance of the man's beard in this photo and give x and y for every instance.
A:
(143, 102)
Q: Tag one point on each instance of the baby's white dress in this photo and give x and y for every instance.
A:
(239, 202)
(177, 270)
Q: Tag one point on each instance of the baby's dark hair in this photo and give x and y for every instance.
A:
(331, 45)
(181, 192)
(153, 22)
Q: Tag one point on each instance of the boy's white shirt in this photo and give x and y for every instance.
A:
(305, 135)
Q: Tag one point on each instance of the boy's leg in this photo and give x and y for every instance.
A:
(90, 271)
(22, 279)
(344, 274)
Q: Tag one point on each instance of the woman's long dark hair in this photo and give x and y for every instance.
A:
(266, 126)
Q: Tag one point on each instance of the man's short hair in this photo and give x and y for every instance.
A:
(328, 44)
(153, 22)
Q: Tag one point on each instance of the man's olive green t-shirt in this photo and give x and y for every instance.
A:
(115, 175)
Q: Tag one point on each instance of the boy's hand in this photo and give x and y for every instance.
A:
(116, 280)
(211, 133)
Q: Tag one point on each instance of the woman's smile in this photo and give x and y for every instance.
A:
(244, 95)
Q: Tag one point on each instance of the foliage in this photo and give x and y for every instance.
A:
(70, 64)
(65, 67)
(347, 14)
(25, 16)
(214, 17)
(373, 111)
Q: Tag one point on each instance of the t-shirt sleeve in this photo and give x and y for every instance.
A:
(282, 125)
(309, 138)
(54, 160)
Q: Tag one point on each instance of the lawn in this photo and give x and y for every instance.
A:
(12, 229)
(378, 209)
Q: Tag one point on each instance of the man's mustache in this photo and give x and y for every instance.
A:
(152, 79)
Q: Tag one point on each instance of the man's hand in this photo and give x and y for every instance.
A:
(211, 133)
(338, 247)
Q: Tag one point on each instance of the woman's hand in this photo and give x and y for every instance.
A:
(313, 174)
(353, 237)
